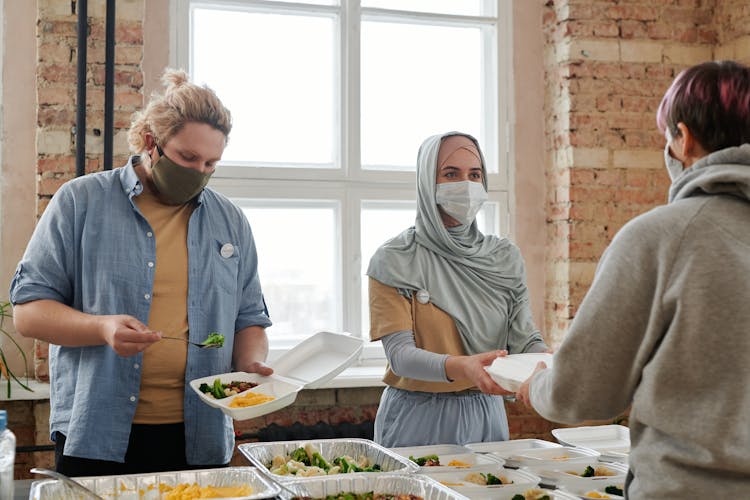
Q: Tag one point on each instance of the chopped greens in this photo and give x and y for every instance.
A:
(217, 390)
(491, 479)
(307, 461)
(589, 472)
(426, 461)
(214, 339)
(613, 490)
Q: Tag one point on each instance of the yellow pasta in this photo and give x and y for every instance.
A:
(186, 491)
(250, 399)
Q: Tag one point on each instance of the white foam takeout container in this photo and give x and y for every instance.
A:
(448, 453)
(308, 365)
(554, 457)
(510, 371)
(506, 449)
(584, 492)
(569, 475)
(612, 441)
(521, 481)
(146, 486)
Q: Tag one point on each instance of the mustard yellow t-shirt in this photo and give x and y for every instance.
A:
(163, 367)
(434, 330)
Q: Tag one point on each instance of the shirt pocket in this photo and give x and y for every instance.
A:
(224, 266)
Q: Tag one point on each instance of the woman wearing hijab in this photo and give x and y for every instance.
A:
(447, 300)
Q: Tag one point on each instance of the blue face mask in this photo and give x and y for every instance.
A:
(674, 166)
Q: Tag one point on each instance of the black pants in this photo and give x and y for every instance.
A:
(151, 448)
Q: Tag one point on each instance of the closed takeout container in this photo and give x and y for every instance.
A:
(506, 449)
(308, 365)
(612, 441)
(261, 454)
(555, 457)
(147, 486)
(512, 370)
(387, 483)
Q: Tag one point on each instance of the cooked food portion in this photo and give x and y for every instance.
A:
(597, 471)
(614, 490)
(611, 489)
(486, 479)
(250, 399)
(187, 491)
(307, 461)
(214, 339)
(218, 390)
(458, 463)
(363, 496)
(532, 494)
(426, 461)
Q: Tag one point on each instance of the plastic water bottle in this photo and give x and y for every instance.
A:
(7, 457)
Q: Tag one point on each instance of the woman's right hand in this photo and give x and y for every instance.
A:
(126, 335)
(472, 368)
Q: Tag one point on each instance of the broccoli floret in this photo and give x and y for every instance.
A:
(372, 468)
(518, 496)
(205, 388)
(300, 455)
(215, 339)
(218, 389)
(319, 461)
(589, 472)
(613, 490)
(491, 479)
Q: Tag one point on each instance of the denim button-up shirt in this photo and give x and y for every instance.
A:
(90, 251)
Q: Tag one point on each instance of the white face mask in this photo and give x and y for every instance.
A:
(461, 200)
(674, 166)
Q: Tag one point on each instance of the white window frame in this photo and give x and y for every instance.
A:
(349, 184)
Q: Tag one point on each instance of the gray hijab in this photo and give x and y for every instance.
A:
(478, 280)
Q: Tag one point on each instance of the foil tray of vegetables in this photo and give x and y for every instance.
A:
(286, 460)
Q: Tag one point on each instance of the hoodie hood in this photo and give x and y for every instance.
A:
(726, 171)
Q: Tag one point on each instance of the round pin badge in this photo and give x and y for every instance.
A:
(227, 250)
(423, 296)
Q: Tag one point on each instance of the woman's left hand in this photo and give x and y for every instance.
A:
(523, 392)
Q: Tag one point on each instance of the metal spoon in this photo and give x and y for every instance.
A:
(68, 481)
(196, 344)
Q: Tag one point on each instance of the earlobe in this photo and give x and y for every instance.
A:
(687, 141)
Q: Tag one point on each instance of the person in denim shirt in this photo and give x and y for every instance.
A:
(120, 258)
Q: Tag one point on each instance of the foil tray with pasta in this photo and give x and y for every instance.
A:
(158, 486)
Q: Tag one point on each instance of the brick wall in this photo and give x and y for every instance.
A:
(607, 66)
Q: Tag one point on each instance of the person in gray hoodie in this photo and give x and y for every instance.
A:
(665, 327)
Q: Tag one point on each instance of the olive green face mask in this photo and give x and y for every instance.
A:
(176, 184)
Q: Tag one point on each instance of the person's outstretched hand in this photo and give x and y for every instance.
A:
(258, 367)
(472, 368)
(523, 392)
(126, 335)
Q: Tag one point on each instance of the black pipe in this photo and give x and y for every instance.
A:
(109, 84)
(82, 6)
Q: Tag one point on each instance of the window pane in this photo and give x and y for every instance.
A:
(460, 7)
(276, 75)
(417, 81)
(384, 220)
(298, 266)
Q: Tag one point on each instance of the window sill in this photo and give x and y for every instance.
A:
(41, 391)
(366, 375)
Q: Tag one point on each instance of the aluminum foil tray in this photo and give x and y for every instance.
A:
(319, 487)
(261, 454)
(146, 486)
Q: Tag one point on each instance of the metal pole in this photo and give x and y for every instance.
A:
(82, 6)
(109, 84)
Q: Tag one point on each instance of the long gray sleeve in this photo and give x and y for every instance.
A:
(407, 360)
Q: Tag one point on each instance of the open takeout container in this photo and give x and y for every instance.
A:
(571, 475)
(450, 457)
(517, 481)
(261, 455)
(308, 365)
(153, 486)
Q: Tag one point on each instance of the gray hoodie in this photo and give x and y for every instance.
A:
(665, 327)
